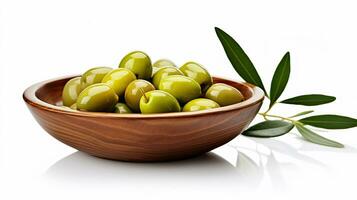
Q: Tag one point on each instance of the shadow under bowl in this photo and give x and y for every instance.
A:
(141, 137)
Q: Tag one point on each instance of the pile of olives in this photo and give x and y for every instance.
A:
(138, 86)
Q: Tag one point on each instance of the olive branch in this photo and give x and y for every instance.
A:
(276, 125)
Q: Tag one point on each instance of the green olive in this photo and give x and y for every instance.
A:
(94, 75)
(71, 91)
(224, 94)
(197, 73)
(139, 63)
(135, 91)
(122, 108)
(119, 79)
(163, 72)
(158, 101)
(97, 98)
(200, 104)
(181, 87)
(163, 63)
(154, 70)
(160, 64)
(74, 106)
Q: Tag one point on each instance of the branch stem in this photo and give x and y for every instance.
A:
(265, 115)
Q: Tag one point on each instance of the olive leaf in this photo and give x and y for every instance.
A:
(330, 121)
(239, 59)
(315, 138)
(280, 79)
(310, 100)
(302, 113)
(271, 128)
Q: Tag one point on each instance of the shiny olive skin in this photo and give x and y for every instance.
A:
(163, 72)
(74, 106)
(158, 101)
(119, 79)
(134, 91)
(224, 94)
(71, 91)
(163, 63)
(122, 108)
(181, 87)
(154, 70)
(139, 63)
(160, 64)
(200, 104)
(198, 73)
(94, 75)
(97, 98)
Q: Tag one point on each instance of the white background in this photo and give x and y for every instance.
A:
(47, 39)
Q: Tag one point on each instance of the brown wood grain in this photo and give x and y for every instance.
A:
(138, 137)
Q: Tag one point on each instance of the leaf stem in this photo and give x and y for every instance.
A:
(265, 115)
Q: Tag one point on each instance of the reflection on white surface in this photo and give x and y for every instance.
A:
(231, 166)
(278, 146)
(210, 169)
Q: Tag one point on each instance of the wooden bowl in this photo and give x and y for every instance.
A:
(141, 137)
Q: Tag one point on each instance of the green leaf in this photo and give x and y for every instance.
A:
(330, 121)
(280, 79)
(271, 128)
(302, 113)
(239, 59)
(315, 138)
(310, 100)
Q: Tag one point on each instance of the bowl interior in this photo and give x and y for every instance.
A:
(51, 92)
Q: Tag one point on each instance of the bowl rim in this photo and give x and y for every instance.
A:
(29, 96)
